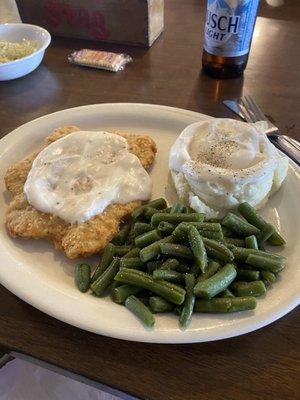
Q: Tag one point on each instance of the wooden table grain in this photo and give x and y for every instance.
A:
(261, 365)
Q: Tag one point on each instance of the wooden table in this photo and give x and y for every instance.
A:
(260, 365)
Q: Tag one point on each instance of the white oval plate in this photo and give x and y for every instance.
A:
(42, 277)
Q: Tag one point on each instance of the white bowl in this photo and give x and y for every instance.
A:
(23, 66)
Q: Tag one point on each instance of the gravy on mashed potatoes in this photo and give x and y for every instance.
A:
(217, 164)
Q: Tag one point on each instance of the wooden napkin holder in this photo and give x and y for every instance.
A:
(135, 22)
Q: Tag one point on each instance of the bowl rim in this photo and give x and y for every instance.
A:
(39, 50)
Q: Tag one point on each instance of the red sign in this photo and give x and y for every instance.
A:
(58, 13)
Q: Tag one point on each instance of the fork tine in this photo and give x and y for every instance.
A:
(250, 110)
(260, 115)
(245, 111)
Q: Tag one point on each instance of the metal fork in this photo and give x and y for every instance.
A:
(249, 111)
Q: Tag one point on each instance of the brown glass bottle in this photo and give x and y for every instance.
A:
(228, 34)
(223, 67)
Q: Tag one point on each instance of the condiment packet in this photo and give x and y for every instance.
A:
(100, 59)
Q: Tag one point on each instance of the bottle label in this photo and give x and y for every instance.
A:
(229, 26)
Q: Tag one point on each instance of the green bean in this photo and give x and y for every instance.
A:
(235, 242)
(134, 252)
(238, 225)
(198, 248)
(226, 293)
(167, 275)
(250, 242)
(206, 229)
(255, 288)
(150, 211)
(83, 277)
(140, 310)
(106, 259)
(132, 262)
(104, 280)
(120, 293)
(276, 240)
(121, 251)
(266, 233)
(176, 218)
(170, 264)
(268, 277)
(242, 304)
(210, 227)
(147, 238)
(247, 275)
(212, 268)
(200, 244)
(152, 266)
(177, 208)
(167, 290)
(216, 305)
(121, 237)
(217, 250)
(158, 204)
(241, 254)
(205, 226)
(153, 250)
(139, 228)
(176, 250)
(265, 263)
(212, 235)
(138, 213)
(217, 220)
(166, 227)
(188, 306)
(217, 283)
(194, 269)
(147, 212)
(159, 305)
(252, 216)
(225, 305)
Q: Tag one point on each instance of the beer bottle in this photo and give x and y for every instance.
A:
(228, 33)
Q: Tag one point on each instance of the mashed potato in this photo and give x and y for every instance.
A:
(220, 163)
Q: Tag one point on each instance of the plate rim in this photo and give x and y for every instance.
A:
(95, 105)
(157, 337)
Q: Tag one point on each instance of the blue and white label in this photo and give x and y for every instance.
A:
(229, 26)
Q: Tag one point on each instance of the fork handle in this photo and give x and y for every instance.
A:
(287, 145)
